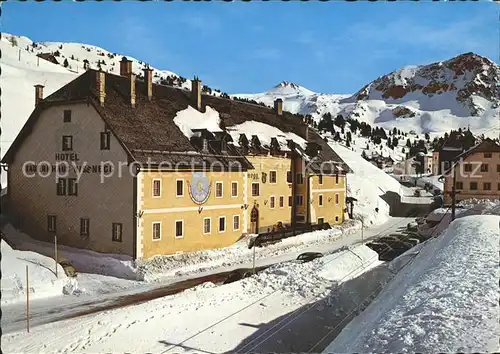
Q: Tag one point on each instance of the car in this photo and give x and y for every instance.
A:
(309, 256)
(238, 274)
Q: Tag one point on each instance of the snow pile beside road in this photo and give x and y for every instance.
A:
(41, 270)
(239, 253)
(84, 261)
(445, 300)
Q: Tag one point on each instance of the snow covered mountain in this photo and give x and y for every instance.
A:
(460, 92)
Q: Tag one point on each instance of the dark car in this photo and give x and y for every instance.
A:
(309, 256)
(238, 274)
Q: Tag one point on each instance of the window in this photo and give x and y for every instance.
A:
(236, 222)
(282, 201)
(67, 143)
(234, 189)
(487, 155)
(337, 198)
(117, 232)
(272, 177)
(320, 200)
(67, 116)
(255, 189)
(484, 167)
(51, 223)
(207, 225)
(272, 202)
(486, 186)
(84, 227)
(321, 221)
(218, 189)
(105, 140)
(289, 200)
(320, 179)
(288, 176)
(156, 187)
(156, 231)
(72, 187)
(222, 223)
(179, 187)
(300, 178)
(468, 167)
(179, 228)
(459, 185)
(473, 186)
(61, 186)
(337, 178)
(498, 168)
(299, 200)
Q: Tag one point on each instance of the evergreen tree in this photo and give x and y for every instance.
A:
(427, 137)
(66, 64)
(337, 137)
(408, 143)
(339, 121)
(395, 142)
(347, 143)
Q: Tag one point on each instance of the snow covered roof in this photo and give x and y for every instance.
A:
(163, 126)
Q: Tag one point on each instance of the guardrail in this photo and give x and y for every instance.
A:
(273, 236)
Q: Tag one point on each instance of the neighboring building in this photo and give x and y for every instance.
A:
(117, 165)
(445, 156)
(477, 173)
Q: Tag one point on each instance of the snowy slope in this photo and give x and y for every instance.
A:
(41, 271)
(367, 184)
(446, 300)
(437, 97)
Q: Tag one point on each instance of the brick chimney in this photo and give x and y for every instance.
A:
(38, 94)
(278, 106)
(132, 89)
(148, 80)
(100, 85)
(196, 93)
(125, 67)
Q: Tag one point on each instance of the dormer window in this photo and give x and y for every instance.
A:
(275, 146)
(255, 141)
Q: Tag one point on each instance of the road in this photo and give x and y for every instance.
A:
(49, 310)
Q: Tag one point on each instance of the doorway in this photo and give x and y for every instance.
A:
(254, 220)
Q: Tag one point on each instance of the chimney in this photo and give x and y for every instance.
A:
(101, 86)
(132, 89)
(125, 67)
(278, 106)
(148, 80)
(38, 94)
(196, 93)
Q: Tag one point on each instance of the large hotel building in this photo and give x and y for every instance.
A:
(117, 164)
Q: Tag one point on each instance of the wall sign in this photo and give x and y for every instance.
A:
(199, 188)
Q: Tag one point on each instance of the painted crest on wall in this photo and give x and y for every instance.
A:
(264, 177)
(199, 188)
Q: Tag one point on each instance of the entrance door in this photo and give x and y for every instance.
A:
(254, 220)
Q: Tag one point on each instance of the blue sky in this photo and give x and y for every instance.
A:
(334, 47)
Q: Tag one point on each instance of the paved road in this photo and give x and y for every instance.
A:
(44, 311)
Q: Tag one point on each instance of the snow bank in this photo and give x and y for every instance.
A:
(367, 184)
(239, 253)
(445, 300)
(189, 119)
(42, 278)
(120, 266)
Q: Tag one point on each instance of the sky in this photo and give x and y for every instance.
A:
(247, 47)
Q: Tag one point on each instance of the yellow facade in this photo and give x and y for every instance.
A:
(328, 196)
(254, 201)
(169, 209)
(272, 202)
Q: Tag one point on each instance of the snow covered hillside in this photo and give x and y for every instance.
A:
(445, 300)
(367, 184)
(42, 278)
(437, 97)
